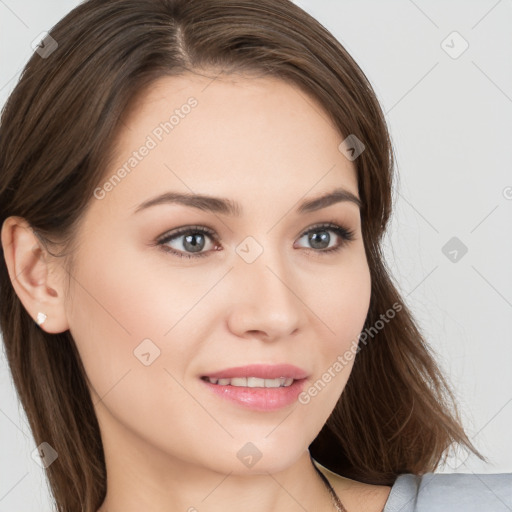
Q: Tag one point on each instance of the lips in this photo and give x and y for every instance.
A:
(256, 397)
(261, 371)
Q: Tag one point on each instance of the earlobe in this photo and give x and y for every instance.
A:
(38, 289)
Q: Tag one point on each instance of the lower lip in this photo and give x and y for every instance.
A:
(259, 399)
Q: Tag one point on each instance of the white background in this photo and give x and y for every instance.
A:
(451, 124)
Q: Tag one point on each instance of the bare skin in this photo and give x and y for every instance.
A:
(170, 444)
(357, 495)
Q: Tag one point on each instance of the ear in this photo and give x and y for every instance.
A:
(38, 284)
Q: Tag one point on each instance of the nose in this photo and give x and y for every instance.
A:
(263, 302)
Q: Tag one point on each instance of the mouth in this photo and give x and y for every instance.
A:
(252, 382)
(258, 387)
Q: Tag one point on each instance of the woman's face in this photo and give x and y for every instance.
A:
(151, 319)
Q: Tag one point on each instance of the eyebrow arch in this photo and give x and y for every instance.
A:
(229, 207)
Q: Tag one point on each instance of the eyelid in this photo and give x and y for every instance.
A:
(333, 224)
(185, 229)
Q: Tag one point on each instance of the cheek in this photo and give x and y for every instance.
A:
(114, 308)
(340, 302)
(340, 297)
(132, 313)
(119, 314)
(353, 300)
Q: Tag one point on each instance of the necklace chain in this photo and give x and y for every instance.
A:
(334, 497)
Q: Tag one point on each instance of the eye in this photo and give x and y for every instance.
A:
(193, 239)
(319, 238)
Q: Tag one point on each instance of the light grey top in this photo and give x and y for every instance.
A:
(451, 492)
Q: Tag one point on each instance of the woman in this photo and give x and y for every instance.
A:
(195, 307)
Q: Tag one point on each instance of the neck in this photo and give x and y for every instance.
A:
(192, 489)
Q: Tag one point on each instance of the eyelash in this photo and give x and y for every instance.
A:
(345, 234)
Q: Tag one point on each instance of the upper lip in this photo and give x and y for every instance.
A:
(262, 371)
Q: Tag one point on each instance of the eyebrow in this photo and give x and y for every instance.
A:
(228, 207)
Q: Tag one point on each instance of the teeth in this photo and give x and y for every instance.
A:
(252, 382)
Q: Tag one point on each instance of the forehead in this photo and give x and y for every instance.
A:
(228, 135)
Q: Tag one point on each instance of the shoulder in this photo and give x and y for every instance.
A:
(451, 492)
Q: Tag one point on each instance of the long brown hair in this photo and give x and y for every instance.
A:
(396, 414)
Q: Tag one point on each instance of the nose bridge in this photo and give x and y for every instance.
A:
(265, 300)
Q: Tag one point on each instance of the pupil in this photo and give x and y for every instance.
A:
(317, 240)
(193, 245)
